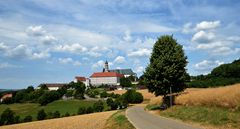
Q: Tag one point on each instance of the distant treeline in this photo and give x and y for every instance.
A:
(225, 74)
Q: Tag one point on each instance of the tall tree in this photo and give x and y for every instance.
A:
(166, 68)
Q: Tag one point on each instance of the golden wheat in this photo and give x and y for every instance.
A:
(145, 93)
(228, 96)
(88, 121)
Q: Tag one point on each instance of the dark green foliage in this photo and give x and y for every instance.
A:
(89, 110)
(7, 117)
(81, 110)
(98, 106)
(125, 82)
(69, 93)
(17, 119)
(30, 89)
(41, 114)
(104, 94)
(43, 87)
(62, 90)
(131, 96)
(226, 74)
(66, 114)
(27, 119)
(7, 100)
(49, 97)
(121, 102)
(56, 114)
(79, 89)
(113, 104)
(167, 67)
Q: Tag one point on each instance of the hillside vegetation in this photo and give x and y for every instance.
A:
(225, 74)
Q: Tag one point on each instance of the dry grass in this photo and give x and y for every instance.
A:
(228, 96)
(145, 93)
(89, 121)
(156, 100)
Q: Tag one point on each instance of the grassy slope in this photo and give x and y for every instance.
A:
(205, 115)
(63, 106)
(118, 121)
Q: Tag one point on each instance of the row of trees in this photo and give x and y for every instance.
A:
(225, 74)
(44, 96)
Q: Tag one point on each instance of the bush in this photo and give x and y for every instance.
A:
(81, 110)
(49, 97)
(27, 119)
(89, 110)
(104, 94)
(98, 106)
(131, 96)
(113, 104)
(41, 114)
(7, 117)
(56, 114)
(66, 114)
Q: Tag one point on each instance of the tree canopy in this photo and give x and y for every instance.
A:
(167, 67)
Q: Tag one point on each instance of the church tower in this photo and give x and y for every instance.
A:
(106, 68)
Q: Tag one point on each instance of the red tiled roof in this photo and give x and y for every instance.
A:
(80, 78)
(9, 95)
(106, 74)
(55, 84)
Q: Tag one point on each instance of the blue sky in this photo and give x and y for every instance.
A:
(50, 41)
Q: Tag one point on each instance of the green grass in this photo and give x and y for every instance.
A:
(152, 107)
(63, 106)
(119, 121)
(206, 115)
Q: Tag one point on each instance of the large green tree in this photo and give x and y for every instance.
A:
(167, 67)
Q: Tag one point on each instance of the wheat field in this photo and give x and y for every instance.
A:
(88, 121)
(228, 96)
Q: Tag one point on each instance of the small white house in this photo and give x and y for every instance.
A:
(53, 86)
(84, 80)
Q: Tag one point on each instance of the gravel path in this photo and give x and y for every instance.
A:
(144, 120)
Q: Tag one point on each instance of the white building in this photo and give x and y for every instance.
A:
(53, 86)
(84, 80)
(109, 78)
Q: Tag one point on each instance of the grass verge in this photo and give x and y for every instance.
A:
(213, 116)
(118, 121)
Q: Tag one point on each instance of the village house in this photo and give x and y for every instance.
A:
(53, 86)
(8, 95)
(84, 80)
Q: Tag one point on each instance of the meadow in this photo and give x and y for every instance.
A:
(63, 106)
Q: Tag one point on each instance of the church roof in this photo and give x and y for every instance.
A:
(123, 71)
(106, 74)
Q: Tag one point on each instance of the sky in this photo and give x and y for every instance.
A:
(52, 41)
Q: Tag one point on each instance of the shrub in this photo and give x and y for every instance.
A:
(7, 117)
(81, 110)
(104, 94)
(41, 114)
(66, 114)
(49, 97)
(131, 96)
(113, 104)
(56, 114)
(89, 110)
(27, 119)
(98, 106)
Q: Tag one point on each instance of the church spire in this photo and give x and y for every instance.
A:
(106, 68)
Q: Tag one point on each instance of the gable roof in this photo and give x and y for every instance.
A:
(106, 74)
(78, 78)
(54, 84)
(123, 71)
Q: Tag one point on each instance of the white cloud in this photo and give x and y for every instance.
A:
(100, 64)
(7, 65)
(140, 53)
(139, 69)
(69, 61)
(207, 65)
(119, 60)
(151, 27)
(97, 51)
(127, 37)
(48, 39)
(187, 28)
(204, 25)
(35, 31)
(22, 51)
(203, 37)
(75, 48)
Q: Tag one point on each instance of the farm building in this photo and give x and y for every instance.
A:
(53, 86)
(84, 80)
(8, 95)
